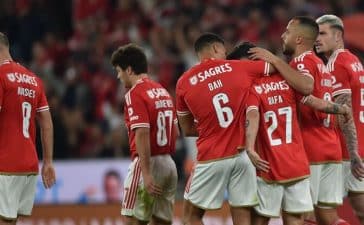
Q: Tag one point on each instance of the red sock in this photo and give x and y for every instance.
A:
(309, 222)
(340, 222)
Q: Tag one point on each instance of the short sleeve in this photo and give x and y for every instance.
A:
(137, 110)
(305, 66)
(181, 106)
(341, 80)
(256, 68)
(252, 101)
(42, 104)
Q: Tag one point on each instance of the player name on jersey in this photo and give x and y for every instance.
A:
(26, 92)
(167, 103)
(210, 72)
(22, 78)
(272, 86)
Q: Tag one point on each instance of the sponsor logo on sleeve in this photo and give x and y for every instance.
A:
(11, 77)
(193, 80)
(258, 89)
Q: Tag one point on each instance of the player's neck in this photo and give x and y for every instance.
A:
(5, 56)
(340, 45)
(136, 78)
(301, 49)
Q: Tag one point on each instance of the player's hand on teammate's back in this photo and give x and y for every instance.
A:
(151, 187)
(259, 163)
(262, 54)
(48, 175)
(357, 167)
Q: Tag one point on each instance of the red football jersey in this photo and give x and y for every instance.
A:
(279, 139)
(21, 97)
(149, 105)
(321, 140)
(348, 75)
(215, 92)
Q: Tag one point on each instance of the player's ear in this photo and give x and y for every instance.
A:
(299, 39)
(337, 35)
(129, 70)
(215, 48)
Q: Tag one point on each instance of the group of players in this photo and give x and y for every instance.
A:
(266, 133)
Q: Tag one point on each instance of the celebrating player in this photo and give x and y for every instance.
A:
(348, 87)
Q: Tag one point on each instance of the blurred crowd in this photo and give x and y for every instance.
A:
(68, 44)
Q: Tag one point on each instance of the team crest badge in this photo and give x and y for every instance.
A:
(193, 80)
(150, 94)
(258, 89)
(11, 77)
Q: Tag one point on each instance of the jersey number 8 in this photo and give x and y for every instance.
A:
(164, 125)
(26, 110)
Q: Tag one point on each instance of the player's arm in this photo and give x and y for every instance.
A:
(328, 106)
(44, 120)
(251, 132)
(142, 142)
(302, 84)
(348, 130)
(188, 126)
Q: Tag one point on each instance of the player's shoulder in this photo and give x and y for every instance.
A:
(341, 58)
(307, 56)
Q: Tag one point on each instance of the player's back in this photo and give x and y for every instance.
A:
(349, 78)
(318, 127)
(21, 97)
(215, 92)
(150, 105)
(279, 139)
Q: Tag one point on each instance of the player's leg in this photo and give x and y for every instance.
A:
(292, 219)
(355, 190)
(240, 215)
(329, 195)
(205, 188)
(270, 198)
(137, 203)
(357, 202)
(11, 188)
(165, 174)
(258, 219)
(192, 215)
(242, 179)
(296, 202)
(4, 221)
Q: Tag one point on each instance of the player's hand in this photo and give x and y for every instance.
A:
(259, 163)
(151, 187)
(357, 167)
(262, 54)
(48, 175)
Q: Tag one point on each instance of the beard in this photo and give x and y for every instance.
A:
(287, 50)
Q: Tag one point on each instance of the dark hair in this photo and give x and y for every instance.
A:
(130, 55)
(206, 39)
(4, 39)
(112, 173)
(310, 23)
(240, 51)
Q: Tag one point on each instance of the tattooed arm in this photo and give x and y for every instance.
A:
(251, 131)
(349, 132)
(328, 106)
